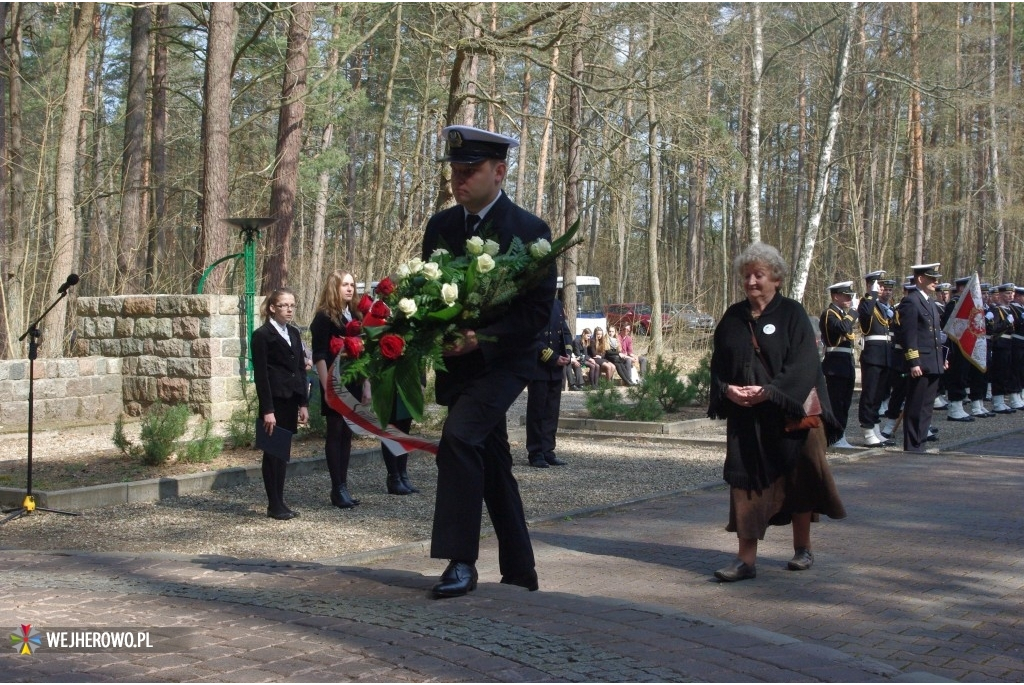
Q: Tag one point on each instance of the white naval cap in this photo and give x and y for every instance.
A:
(841, 288)
(468, 145)
(929, 270)
(874, 275)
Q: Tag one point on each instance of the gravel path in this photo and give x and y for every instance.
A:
(601, 471)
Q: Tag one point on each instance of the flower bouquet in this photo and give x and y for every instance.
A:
(424, 307)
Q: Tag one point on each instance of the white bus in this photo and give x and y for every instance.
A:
(589, 311)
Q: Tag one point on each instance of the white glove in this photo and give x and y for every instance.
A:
(874, 287)
(1009, 317)
(989, 316)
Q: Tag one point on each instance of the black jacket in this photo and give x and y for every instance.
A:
(278, 369)
(513, 335)
(553, 341)
(917, 332)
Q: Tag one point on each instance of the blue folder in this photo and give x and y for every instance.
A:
(277, 445)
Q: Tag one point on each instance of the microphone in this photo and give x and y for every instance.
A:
(72, 280)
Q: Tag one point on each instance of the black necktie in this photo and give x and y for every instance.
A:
(471, 221)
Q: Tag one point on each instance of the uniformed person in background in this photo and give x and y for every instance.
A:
(1001, 370)
(874, 314)
(957, 375)
(1017, 350)
(942, 295)
(897, 373)
(836, 326)
(978, 386)
(917, 331)
(544, 392)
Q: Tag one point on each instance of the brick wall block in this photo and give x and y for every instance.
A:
(150, 365)
(187, 327)
(171, 348)
(184, 305)
(138, 388)
(152, 327)
(183, 367)
(172, 390)
(139, 305)
(124, 327)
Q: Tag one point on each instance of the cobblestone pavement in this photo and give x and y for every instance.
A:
(921, 582)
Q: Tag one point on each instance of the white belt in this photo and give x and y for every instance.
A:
(1018, 337)
(1006, 336)
(839, 349)
(870, 338)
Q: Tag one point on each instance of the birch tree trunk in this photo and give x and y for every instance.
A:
(13, 259)
(656, 349)
(754, 129)
(545, 139)
(817, 205)
(64, 181)
(285, 182)
(573, 173)
(916, 135)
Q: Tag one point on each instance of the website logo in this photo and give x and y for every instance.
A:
(26, 640)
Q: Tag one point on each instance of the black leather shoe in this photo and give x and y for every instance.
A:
(802, 560)
(1005, 411)
(739, 570)
(341, 499)
(538, 462)
(281, 514)
(396, 486)
(457, 580)
(527, 580)
(552, 460)
(962, 419)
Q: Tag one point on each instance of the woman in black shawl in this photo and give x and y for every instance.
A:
(763, 367)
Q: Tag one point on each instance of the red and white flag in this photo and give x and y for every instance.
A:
(966, 326)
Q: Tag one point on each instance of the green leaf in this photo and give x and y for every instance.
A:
(446, 314)
(384, 395)
(407, 379)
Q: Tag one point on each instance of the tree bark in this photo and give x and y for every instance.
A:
(64, 181)
(213, 203)
(656, 349)
(573, 171)
(158, 150)
(130, 246)
(754, 128)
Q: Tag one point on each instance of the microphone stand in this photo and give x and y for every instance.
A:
(28, 505)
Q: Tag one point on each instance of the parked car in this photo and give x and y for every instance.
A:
(635, 314)
(688, 316)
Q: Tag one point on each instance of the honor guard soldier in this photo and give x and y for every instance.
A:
(836, 326)
(1017, 354)
(942, 294)
(978, 379)
(958, 374)
(897, 372)
(917, 331)
(1001, 368)
(874, 314)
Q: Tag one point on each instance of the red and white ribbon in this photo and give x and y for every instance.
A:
(361, 419)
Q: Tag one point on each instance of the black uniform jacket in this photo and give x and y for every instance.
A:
(279, 369)
(836, 328)
(874, 318)
(917, 332)
(553, 341)
(512, 337)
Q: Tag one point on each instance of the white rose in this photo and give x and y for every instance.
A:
(484, 263)
(475, 245)
(449, 293)
(403, 271)
(540, 248)
(492, 248)
(439, 252)
(407, 306)
(415, 265)
(431, 271)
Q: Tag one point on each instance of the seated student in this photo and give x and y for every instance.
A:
(584, 342)
(626, 345)
(577, 365)
(597, 350)
(623, 365)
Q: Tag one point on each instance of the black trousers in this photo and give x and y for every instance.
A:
(274, 470)
(543, 401)
(1003, 375)
(840, 394)
(917, 415)
(874, 381)
(474, 466)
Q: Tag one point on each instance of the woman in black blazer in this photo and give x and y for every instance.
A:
(279, 369)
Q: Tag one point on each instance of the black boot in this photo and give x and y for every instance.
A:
(341, 499)
(396, 486)
(403, 472)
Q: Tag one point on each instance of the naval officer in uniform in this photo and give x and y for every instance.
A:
(486, 371)
(836, 327)
(874, 315)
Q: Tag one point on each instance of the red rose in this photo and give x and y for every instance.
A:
(353, 347)
(365, 302)
(336, 344)
(379, 310)
(386, 287)
(370, 321)
(353, 328)
(392, 346)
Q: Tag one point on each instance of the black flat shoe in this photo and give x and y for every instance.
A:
(552, 460)
(802, 560)
(739, 570)
(540, 463)
(457, 580)
(408, 483)
(396, 486)
(281, 514)
(962, 419)
(527, 580)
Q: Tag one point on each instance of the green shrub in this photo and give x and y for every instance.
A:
(121, 441)
(699, 382)
(604, 401)
(241, 426)
(664, 385)
(204, 446)
(644, 408)
(162, 426)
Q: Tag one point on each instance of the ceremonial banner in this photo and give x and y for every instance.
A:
(361, 419)
(966, 326)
